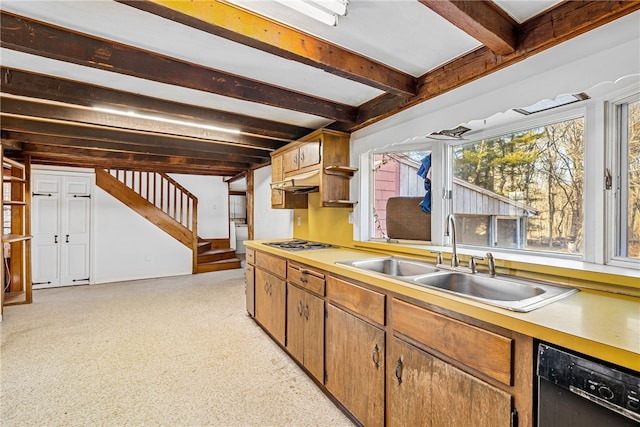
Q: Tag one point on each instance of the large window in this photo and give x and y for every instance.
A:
(522, 190)
(627, 182)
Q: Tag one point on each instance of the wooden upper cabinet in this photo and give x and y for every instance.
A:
(301, 157)
(324, 151)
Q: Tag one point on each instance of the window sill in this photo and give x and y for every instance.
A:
(556, 268)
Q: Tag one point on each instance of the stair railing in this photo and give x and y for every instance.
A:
(166, 194)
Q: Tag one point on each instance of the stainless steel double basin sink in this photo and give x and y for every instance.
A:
(511, 294)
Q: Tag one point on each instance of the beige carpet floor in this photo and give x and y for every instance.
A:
(171, 352)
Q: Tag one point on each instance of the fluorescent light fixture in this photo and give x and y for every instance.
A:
(166, 120)
(325, 11)
(339, 7)
(547, 104)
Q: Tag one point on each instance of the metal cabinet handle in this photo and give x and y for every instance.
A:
(306, 312)
(398, 370)
(375, 356)
(67, 240)
(55, 239)
(300, 308)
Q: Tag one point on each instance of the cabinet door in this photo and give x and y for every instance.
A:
(250, 289)
(76, 227)
(46, 239)
(290, 161)
(295, 323)
(409, 400)
(313, 313)
(355, 365)
(426, 391)
(309, 154)
(270, 303)
(277, 174)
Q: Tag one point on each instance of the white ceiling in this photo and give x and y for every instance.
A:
(402, 34)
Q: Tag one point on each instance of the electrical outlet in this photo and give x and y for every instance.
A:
(299, 221)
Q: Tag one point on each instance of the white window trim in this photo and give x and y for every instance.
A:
(560, 114)
(613, 153)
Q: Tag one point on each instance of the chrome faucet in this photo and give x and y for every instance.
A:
(450, 230)
(491, 264)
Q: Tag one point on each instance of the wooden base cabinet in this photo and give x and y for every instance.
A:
(305, 329)
(270, 300)
(426, 391)
(355, 364)
(249, 290)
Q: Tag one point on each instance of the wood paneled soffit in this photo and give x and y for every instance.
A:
(28, 84)
(30, 36)
(242, 26)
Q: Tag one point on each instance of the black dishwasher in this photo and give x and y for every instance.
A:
(576, 391)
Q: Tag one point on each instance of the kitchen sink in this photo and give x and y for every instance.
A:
(392, 266)
(509, 293)
(512, 294)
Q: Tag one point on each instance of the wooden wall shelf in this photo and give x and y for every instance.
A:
(16, 234)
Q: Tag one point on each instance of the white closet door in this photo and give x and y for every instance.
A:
(61, 226)
(76, 228)
(45, 228)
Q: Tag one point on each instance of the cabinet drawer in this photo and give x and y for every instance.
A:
(306, 278)
(251, 256)
(357, 299)
(273, 264)
(477, 348)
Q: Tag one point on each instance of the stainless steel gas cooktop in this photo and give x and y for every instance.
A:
(299, 245)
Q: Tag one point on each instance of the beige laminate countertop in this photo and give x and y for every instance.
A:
(600, 324)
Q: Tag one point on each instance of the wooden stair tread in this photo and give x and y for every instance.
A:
(224, 264)
(217, 251)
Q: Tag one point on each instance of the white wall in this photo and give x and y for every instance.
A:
(125, 246)
(128, 247)
(268, 223)
(213, 200)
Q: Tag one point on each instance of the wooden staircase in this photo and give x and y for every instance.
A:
(168, 205)
(215, 255)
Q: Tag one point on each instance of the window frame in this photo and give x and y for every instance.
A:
(616, 197)
(556, 115)
(366, 228)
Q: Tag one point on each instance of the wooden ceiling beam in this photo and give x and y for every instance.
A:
(123, 147)
(36, 108)
(482, 20)
(149, 141)
(143, 166)
(29, 84)
(250, 29)
(47, 151)
(565, 21)
(42, 39)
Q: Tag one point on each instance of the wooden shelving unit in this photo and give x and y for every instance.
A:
(16, 237)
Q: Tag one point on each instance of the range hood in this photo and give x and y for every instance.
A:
(307, 182)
